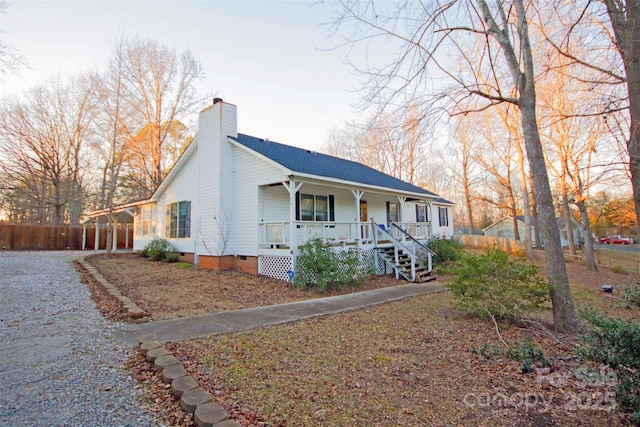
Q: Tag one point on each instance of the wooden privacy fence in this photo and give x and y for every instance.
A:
(510, 246)
(43, 237)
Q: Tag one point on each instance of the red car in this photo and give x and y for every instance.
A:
(616, 240)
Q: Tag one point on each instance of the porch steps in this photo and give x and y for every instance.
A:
(403, 266)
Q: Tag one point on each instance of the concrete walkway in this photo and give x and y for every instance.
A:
(187, 328)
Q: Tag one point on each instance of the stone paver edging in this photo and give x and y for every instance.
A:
(184, 388)
(192, 398)
(134, 313)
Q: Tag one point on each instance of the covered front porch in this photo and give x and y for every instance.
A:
(277, 235)
(293, 213)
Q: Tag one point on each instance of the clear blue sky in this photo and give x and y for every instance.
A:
(266, 57)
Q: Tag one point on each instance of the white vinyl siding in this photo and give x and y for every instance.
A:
(442, 223)
(182, 187)
(254, 201)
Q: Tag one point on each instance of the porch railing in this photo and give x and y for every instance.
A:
(416, 230)
(277, 233)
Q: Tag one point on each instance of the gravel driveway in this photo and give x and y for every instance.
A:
(60, 364)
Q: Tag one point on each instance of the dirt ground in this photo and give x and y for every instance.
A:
(416, 362)
(170, 290)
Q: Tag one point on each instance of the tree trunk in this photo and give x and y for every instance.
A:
(108, 244)
(563, 307)
(514, 218)
(588, 239)
(569, 226)
(526, 208)
(625, 19)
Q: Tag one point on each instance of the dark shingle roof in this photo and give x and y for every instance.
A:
(443, 201)
(312, 163)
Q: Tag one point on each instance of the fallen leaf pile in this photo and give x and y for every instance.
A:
(110, 307)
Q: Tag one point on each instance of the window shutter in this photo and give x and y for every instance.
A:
(188, 220)
(388, 215)
(297, 206)
(167, 222)
(332, 213)
(417, 213)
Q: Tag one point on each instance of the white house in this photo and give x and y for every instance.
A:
(237, 201)
(504, 228)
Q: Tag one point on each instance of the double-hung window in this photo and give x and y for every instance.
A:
(422, 214)
(443, 217)
(146, 221)
(315, 208)
(178, 220)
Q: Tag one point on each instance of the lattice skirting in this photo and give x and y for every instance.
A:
(274, 266)
(382, 267)
(279, 266)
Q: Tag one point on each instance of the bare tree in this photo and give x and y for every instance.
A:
(464, 164)
(221, 242)
(603, 37)
(392, 143)
(11, 60)
(495, 155)
(115, 118)
(510, 122)
(501, 32)
(42, 141)
(159, 87)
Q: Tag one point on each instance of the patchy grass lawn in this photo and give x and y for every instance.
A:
(417, 362)
(610, 256)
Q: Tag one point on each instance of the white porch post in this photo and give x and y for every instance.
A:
(97, 242)
(292, 187)
(84, 236)
(114, 245)
(126, 236)
(401, 202)
(358, 195)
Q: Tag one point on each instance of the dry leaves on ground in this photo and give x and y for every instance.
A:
(414, 362)
(167, 290)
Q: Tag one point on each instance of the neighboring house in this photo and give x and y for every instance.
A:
(237, 201)
(504, 228)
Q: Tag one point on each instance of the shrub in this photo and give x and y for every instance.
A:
(631, 295)
(446, 250)
(494, 284)
(618, 269)
(528, 355)
(319, 267)
(487, 352)
(160, 249)
(616, 343)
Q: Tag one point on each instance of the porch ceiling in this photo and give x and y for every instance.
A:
(348, 186)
